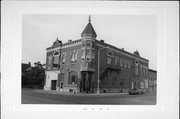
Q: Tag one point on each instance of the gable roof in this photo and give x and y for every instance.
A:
(57, 43)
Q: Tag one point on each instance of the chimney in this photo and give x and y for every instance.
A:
(136, 53)
(29, 63)
(69, 40)
(102, 41)
(60, 42)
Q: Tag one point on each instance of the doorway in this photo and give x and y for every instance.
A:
(53, 84)
(86, 83)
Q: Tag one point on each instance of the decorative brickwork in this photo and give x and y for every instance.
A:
(74, 66)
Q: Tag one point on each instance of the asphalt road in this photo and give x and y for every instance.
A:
(43, 97)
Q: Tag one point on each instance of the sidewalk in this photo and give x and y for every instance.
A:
(76, 94)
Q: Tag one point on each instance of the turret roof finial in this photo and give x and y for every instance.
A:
(89, 18)
(89, 29)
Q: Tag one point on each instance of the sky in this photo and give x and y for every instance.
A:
(131, 32)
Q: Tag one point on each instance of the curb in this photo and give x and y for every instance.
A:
(80, 94)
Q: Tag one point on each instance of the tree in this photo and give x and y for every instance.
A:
(34, 77)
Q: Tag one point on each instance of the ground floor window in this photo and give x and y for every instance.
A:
(121, 82)
(72, 77)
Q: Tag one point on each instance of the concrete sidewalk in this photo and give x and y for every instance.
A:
(75, 94)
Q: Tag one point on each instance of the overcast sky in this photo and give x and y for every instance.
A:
(130, 32)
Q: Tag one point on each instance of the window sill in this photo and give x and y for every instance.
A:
(73, 62)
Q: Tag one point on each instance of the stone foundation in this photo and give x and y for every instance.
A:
(112, 90)
(47, 88)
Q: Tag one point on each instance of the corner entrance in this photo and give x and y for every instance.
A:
(87, 82)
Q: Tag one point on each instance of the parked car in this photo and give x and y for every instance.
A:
(136, 91)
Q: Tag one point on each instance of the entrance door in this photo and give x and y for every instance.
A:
(83, 80)
(86, 81)
(53, 84)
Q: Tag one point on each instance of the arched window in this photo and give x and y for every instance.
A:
(49, 62)
(121, 62)
(125, 63)
(56, 59)
(136, 67)
(93, 55)
(141, 69)
(74, 56)
(88, 54)
(109, 60)
(116, 61)
(129, 64)
(63, 58)
(83, 55)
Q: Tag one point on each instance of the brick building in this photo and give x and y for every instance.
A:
(152, 80)
(73, 66)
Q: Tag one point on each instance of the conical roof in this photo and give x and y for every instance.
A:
(89, 29)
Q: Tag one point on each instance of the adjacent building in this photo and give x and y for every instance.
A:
(90, 65)
(25, 67)
(152, 80)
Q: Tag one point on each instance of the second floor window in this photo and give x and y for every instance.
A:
(125, 63)
(141, 69)
(83, 55)
(63, 58)
(88, 55)
(93, 55)
(109, 60)
(121, 62)
(56, 59)
(74, 56)
(129, 64)
(116, 61)
(136, 67)
(50, 62)
(144, 71)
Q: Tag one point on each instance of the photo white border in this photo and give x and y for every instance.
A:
(167, 70)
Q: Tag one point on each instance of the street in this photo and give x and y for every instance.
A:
(33, 96)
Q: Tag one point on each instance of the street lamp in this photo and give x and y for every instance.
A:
(98, 81)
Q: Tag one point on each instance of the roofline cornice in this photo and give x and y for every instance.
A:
(120, 51)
